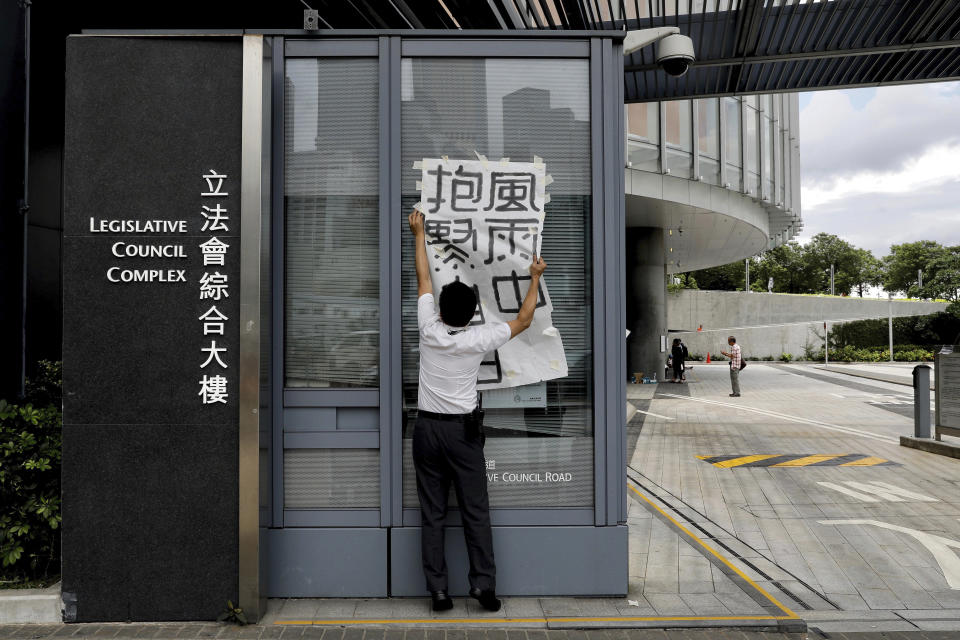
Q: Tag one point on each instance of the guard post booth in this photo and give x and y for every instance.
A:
(240, 336)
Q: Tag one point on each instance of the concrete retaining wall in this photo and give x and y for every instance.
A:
(768, 324)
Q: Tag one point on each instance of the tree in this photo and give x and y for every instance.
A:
(686, 281)
(785, 264)
(906, 259)
(824, 250)
(866, 270)
(727, 277)
(945, 274)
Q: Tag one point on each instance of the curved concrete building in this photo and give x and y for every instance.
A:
(708, 182)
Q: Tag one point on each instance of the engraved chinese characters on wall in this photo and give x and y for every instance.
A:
(484, 223)
(214, 286)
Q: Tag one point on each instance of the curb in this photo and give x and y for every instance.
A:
(33, 606)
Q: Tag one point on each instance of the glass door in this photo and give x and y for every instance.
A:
(539, 446)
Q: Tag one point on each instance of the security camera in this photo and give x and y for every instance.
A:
(675, 54)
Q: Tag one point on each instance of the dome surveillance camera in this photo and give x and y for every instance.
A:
(675, 54)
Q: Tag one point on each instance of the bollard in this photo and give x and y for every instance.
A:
(921, 401)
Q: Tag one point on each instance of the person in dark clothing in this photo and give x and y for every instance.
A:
(678, 353)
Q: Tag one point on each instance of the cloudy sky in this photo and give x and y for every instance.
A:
(882, 166)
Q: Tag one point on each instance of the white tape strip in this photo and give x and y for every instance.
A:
(546, 199)
(504, 161)
(537, 161)
(418, 164)
(445, 158)
(418, 207)
(551, 331)
(548, 179)
(419, 186)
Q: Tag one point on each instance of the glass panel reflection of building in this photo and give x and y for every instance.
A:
(515, 108)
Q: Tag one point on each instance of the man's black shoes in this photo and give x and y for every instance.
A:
(441, 601)
(487, 598)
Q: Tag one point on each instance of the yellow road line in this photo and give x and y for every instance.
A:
(864, 462)
(802, 462)
(790, 614)
(494, 620)
(736, 462)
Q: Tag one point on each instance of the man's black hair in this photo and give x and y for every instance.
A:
(458, 303)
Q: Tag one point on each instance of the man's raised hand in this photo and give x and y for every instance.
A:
(537, 266)
(415, 220)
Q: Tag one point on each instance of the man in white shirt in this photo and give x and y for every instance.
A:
(447, 445)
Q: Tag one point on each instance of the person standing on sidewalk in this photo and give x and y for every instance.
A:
(734, 355)
(448, 434)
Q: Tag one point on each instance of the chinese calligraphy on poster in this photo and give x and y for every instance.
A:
(484, 223)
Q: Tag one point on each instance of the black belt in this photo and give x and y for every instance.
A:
(452, 417)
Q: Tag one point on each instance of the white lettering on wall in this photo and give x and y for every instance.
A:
(124, 250)
(116, 274)
(138, 226)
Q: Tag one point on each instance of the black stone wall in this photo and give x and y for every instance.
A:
(12, 87)
(149, 472)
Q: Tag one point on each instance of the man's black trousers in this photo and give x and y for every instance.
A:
(444, 452)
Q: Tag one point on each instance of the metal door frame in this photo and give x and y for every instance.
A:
(604, 59)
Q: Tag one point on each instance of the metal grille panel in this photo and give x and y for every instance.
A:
(331, 478)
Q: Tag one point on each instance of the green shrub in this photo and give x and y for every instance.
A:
(938, 328)
(768, 358)
(901, 353)
(953, 308)
(786, 357)
(30, 438)
(695, 356)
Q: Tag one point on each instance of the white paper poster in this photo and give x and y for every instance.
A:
(484, 222)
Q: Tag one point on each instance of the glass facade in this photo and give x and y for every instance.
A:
(515, 108)
(708, 139)
(678, 138)
(767, 143)
(747, 144)
(643, 132)
(733, 143)
(332, 279)
(751, 146)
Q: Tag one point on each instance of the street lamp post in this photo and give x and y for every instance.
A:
(890, 324)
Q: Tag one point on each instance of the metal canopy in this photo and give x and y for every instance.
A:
(794, 45)
(743, 46)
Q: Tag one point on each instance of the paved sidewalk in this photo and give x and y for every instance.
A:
(120, 631)
(896, 372)
(802, 480)
(791, 506)
(171, 631)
